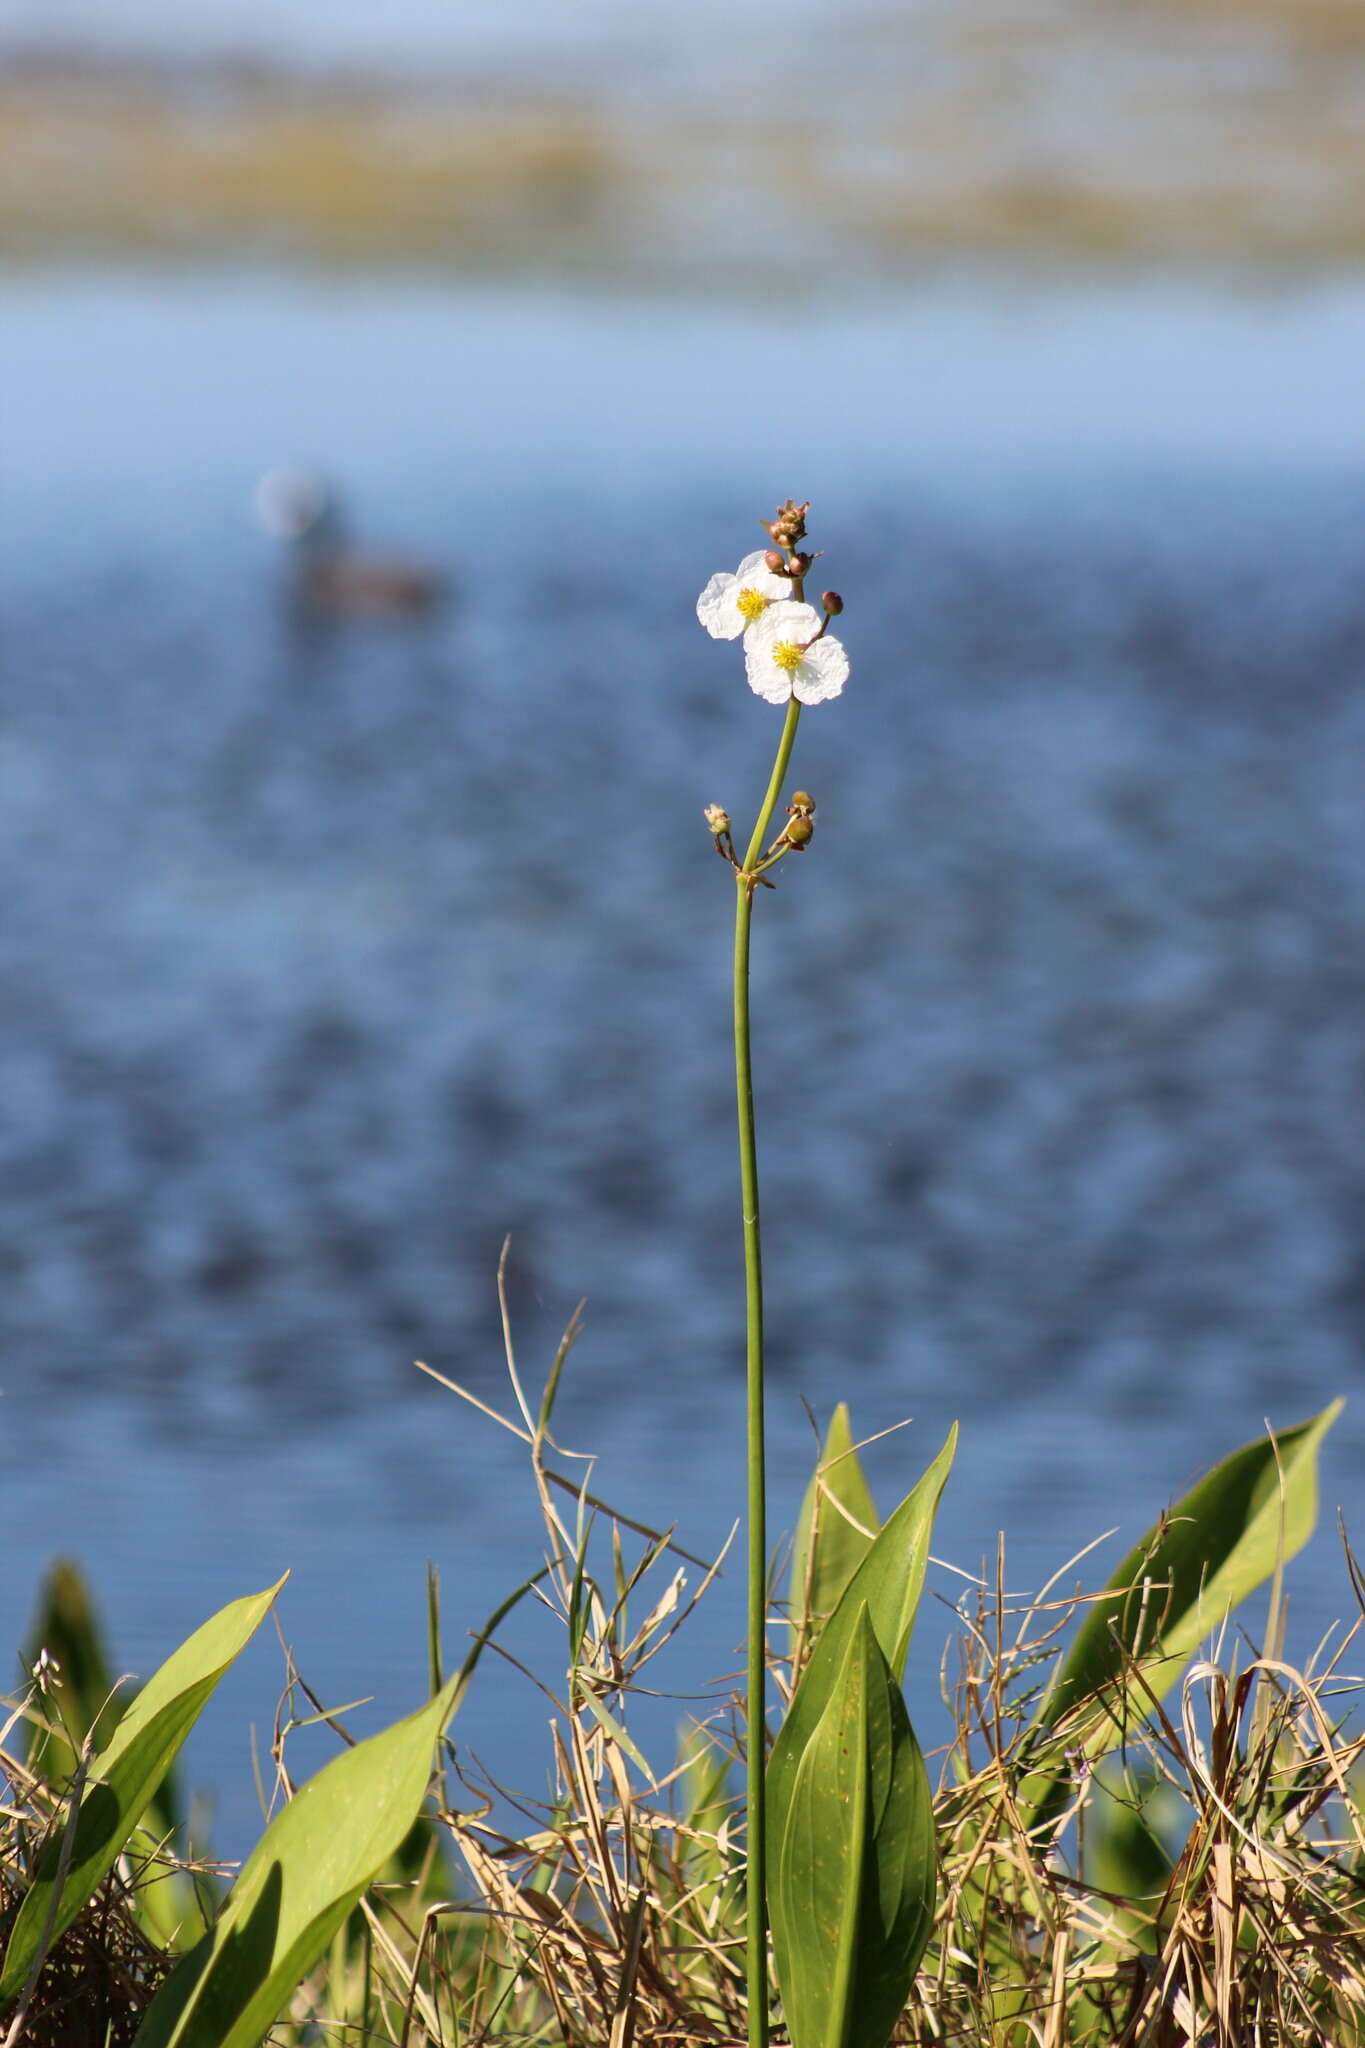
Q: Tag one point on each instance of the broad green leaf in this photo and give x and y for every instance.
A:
(124, 1776)
(837, 1524)
(1226, 1537)
(854, 1886)
(308, 1870)
(1202, 1559)
(889, 1582)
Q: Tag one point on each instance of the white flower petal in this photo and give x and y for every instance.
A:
(782, 622)
(785, 620)
(766, 679)
(823, 672)
(753, 573)
(718, 608)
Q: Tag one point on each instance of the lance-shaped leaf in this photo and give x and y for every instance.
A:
(304, 1876)
(854, 1886)
(1204, 1556)
(123, 1778)
(1226, 1537)
(833, 1535)
(888, 1582)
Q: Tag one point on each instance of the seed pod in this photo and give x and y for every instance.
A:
(832, 603)
(800, 832)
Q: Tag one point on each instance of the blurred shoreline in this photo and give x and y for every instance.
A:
(1234, 140)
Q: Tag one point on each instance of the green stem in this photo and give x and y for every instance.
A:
(756, 1878)
(779, 775)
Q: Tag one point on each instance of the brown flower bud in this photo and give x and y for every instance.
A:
(791, 518)
(802, 804)
(799, 833)
(832, 603)
(777, 562)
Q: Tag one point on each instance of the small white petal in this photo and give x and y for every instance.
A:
(785, 620)
(823, 672)
(766, 679)
(753, 573)
(718, 608)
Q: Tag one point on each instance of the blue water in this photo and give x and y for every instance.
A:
(331, 957)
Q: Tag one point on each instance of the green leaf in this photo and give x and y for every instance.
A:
(1127, 1854)
(833, 1535)
(124, 1777)
(889, 1582)
(1213, 1548)
(82, 1696)
(617, 1733)
(1228, 1535)
(308, 1870)
(855, 1884)
(707, 1805)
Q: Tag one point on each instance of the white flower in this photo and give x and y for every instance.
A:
(729, 604)
(781, 661)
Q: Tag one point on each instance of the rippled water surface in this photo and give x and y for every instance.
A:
(333, 955)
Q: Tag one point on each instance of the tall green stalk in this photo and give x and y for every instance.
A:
(756, 1688)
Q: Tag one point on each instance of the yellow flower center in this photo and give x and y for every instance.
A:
(751, 603)
(788, 655)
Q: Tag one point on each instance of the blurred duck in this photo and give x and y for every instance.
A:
(328, 579)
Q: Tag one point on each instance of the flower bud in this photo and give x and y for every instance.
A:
(799, 833)
(717, 819)
(800, 564)
(832, 602)
(801, 805)
(791, 519)
(776, 561)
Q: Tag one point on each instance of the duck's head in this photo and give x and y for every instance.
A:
(298, 506)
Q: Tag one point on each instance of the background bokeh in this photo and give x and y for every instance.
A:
(335, 949)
